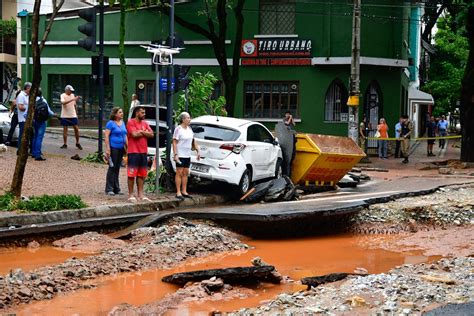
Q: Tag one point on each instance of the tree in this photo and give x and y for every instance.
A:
(452, 50)
(17, 181)
(467, 96)
(199, 97)
(216, 15)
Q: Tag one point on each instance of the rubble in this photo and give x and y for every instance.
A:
(405, 290)
(149, 248)
(447, 207)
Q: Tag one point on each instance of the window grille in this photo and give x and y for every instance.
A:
(336, 103)
(277, 17)
(271, 99)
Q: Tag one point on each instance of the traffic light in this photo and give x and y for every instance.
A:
(181, 77)
(88, 29)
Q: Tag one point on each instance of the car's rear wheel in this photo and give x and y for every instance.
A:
(278, 169)
(245, 182)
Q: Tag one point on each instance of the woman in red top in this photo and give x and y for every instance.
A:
(382, 128)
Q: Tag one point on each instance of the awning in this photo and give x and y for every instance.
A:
(419, 96)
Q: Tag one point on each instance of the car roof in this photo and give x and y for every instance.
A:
(221, 120)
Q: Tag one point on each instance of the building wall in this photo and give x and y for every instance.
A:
(327, 25)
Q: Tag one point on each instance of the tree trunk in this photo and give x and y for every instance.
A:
(467, 96)
(123, 65)
(17, 181)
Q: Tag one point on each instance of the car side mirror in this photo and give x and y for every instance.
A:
(275, 141)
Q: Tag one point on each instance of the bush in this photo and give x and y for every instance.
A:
(95, 158)
(44, 203)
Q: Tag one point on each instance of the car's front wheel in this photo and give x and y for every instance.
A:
(245, 182)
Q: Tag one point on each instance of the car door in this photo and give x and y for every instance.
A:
(256, 147)
(269, 151)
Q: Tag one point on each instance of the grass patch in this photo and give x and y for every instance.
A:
(44, 203)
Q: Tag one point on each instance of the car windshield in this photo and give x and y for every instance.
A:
(214, 132)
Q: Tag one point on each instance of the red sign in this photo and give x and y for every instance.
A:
(276, 48)
(276, 61)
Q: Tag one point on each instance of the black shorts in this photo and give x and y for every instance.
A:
(185, 163)
(69, 121)
(137, 165)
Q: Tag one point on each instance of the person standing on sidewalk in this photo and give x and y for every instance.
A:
(405, 134)
(14, 119)
(398, 129)
(69, 115)
(42, 113)
(442, 131)
(22, 102)
(183, 141)
(382, 128)
(138, 131)
(115, 147)
(135, 101)
(362, 131)
(431, 132)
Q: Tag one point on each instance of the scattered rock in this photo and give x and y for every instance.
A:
(33, 245)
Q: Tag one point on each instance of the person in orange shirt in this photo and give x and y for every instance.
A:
(382, 128)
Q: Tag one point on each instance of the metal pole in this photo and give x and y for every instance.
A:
(169, 92)
(157, 132)
(353, 101)
(101, 72)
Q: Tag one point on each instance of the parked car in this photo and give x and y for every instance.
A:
(150, 117)
(235, 151)
(5, 120)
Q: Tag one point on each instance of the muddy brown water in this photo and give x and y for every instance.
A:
(296, 258)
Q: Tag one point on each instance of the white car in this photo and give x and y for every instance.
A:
(5, 120)
(235, 151)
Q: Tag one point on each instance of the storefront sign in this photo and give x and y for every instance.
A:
(276, 48)
(276, 61)
(276, 52)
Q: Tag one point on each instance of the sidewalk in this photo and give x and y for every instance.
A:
(418, 160)
(91, 133)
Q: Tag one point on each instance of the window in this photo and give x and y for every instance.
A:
(214, 132)
(257, 133)
(84, 86)
(145, 90)
(271, 99)
(336, 103)
(277, 17)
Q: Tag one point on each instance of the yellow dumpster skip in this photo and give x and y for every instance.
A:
(323, 160)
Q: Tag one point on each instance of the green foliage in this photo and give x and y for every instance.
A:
(150, 180)
(44, 203)
(8, 28)
(199, 95)
(94, 157)
(447, 67)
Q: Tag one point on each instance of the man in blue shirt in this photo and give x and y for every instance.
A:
(39, 127)
(398, 128)
(442, 130)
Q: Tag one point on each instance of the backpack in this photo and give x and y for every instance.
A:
(41, 110)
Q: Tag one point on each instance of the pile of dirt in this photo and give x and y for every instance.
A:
(90, 242)
(150, 248)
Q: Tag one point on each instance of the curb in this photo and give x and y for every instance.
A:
(104, 211)
(49, 131)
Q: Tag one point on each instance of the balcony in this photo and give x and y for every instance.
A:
(8, 50)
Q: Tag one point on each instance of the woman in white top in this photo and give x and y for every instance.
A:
(183, 139)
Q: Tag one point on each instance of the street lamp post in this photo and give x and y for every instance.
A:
(353, 101)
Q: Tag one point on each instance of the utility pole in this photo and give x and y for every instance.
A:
(157, 132)
(101, 72)
(169, 92)
(353, 101)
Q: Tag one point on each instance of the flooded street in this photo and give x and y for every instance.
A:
(295, 258)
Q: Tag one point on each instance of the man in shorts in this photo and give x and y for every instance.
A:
(69, 115)
(138, 131)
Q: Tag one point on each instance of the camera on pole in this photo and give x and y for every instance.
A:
(88, 29)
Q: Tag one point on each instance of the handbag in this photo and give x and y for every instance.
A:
(377, 134)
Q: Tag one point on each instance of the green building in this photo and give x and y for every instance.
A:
(296, 56)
